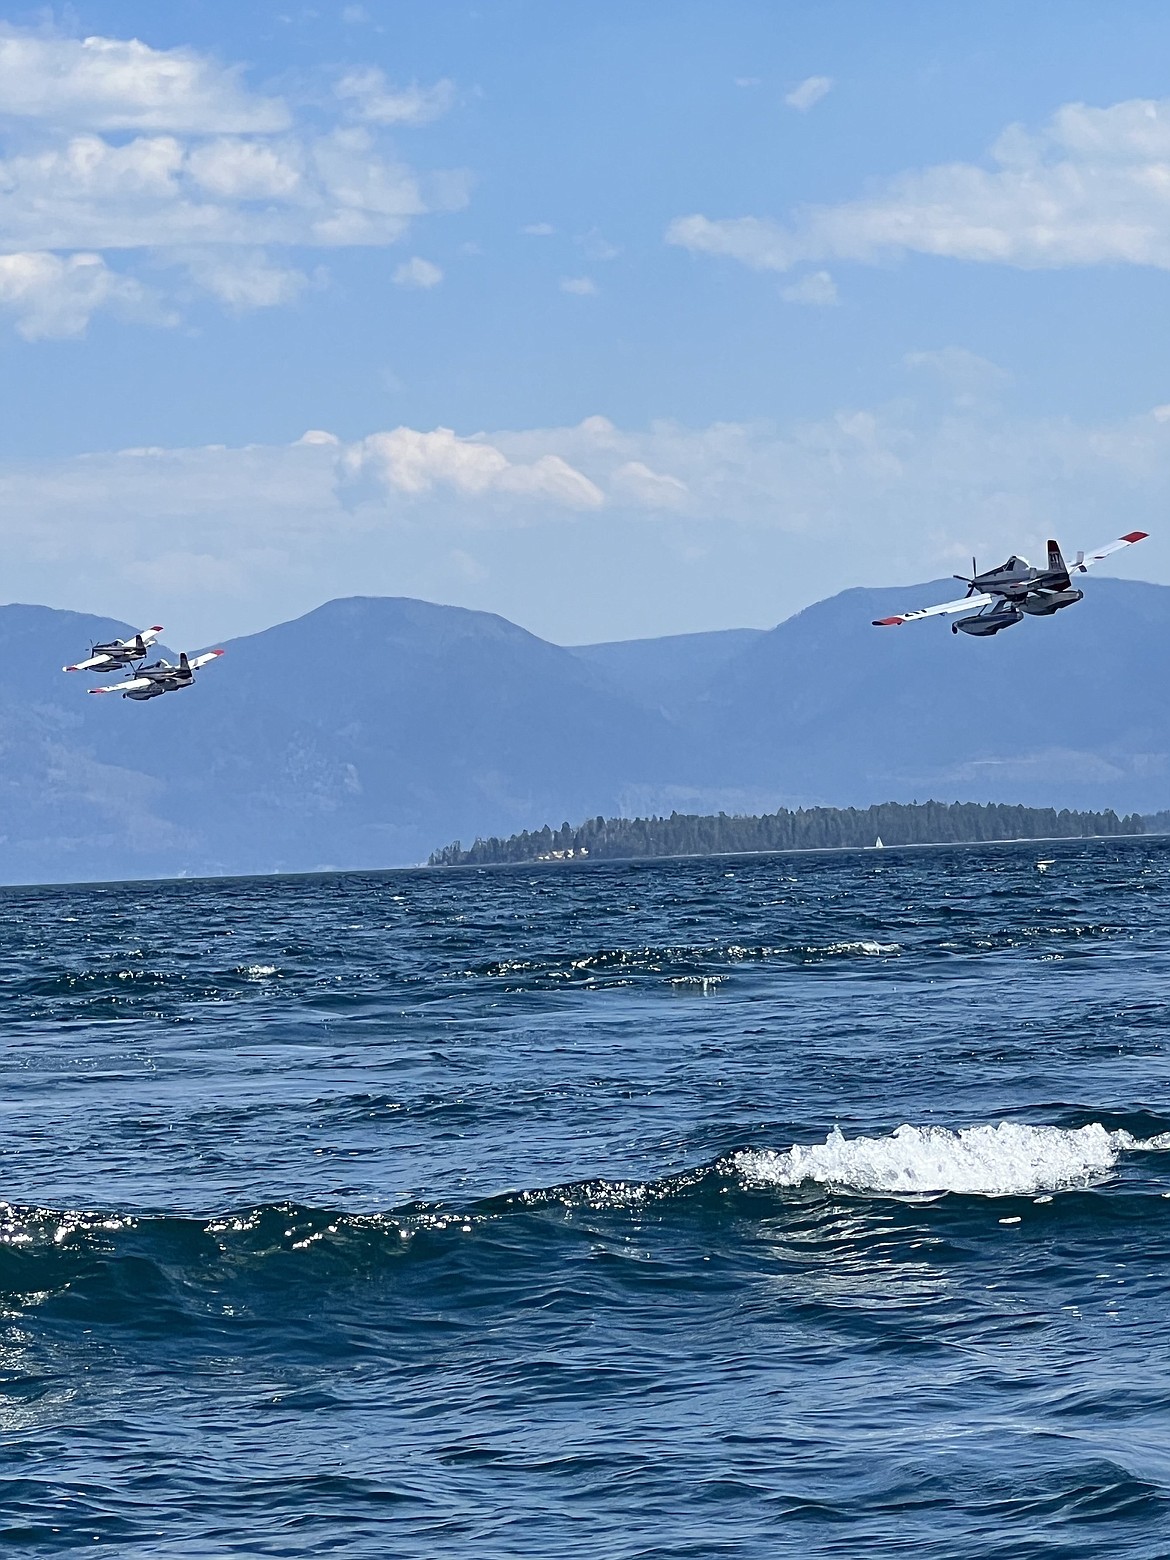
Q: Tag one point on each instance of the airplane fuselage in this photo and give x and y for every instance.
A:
(164, 678)
(1016, 583)
(166, 684)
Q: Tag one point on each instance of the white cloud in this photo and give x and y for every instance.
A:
(810, 92)
(122, 84)
(152, 192)
(468, 567)
(649, 489)
(966, 373)
(1092, 187)
(597, 247)
(199, 173)
(55, 295)
(817, 288)
(747, 81)
(581, 286)
(418, 273)
(539, 229)
(238, 169)
(373, 100)
(732, 522)
(408, 461)
(246, 280)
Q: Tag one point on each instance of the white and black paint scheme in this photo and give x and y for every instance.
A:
(117, 653)
(1005, 596)
(148, 682)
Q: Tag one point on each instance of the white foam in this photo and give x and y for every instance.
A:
(1008, 1160)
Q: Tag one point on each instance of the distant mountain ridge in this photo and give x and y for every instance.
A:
(370, 729)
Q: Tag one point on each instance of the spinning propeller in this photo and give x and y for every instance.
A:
(969, 583)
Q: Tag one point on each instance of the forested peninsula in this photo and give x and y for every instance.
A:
(811, 828)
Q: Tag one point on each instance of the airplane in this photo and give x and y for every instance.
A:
(160, 677)
(1004, 596)
(118, 652)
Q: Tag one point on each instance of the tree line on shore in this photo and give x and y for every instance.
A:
(808, 828)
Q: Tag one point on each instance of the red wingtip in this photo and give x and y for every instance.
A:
(97, 690)
(155, 628)
(887, 622)
(71, 668)
(1135, 536)
(218, 652)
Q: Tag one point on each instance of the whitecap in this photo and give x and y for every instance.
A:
(1011, 1159)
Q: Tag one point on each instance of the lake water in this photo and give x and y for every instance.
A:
(784, 1205)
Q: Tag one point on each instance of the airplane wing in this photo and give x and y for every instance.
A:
(124, 687)
(89, 666)
(1088, 559)
(196, 661)
(968, 603)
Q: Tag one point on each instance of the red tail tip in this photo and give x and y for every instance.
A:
(887, 622)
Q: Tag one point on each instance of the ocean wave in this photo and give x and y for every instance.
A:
(615, 965)
(1011, 1159)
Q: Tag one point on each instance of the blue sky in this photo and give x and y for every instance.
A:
(617, 319)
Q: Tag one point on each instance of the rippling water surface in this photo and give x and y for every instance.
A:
(788, 1205)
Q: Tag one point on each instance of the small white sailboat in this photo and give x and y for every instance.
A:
(877, 844)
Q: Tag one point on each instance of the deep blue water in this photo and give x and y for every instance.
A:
(789, 1205)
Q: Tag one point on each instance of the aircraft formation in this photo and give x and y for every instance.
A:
(1005, 596)
(143, 681)
(996, 599)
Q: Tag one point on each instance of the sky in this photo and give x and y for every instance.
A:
(619, 320)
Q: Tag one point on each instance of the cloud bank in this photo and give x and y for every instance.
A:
(1091, 187)
(111, 150)
(587, 531)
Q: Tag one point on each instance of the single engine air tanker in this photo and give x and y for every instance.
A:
(1004, 596)
(160, 677)
(118, 652)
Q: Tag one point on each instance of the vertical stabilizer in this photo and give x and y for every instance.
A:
(1056, 563)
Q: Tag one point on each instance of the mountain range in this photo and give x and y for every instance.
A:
(374, 729)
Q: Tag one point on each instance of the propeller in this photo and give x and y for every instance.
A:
(969, 583)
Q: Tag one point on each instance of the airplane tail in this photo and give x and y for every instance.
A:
(184, 664)
(139, 646)
(1056, 563)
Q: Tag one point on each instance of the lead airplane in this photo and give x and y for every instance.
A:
(1003, 596)
(117, 653)
(160, 677)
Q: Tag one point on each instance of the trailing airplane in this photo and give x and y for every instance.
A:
(1004, 596)
(160, 677)
(118, 652)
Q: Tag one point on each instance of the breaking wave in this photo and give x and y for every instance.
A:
(1010, 1159)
